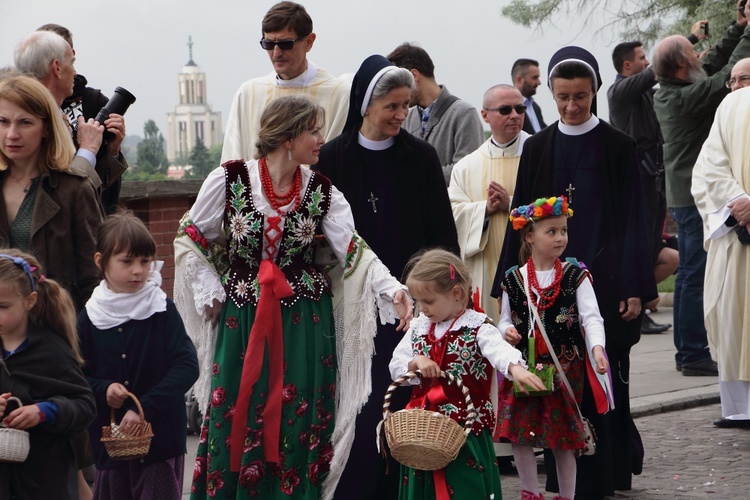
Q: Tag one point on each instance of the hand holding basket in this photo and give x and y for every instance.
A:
(134, 443)
(423, 439)
(14, 443)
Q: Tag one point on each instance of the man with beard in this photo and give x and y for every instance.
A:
(525, 74)
(690, 91)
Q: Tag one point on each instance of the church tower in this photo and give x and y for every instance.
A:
(192, 118)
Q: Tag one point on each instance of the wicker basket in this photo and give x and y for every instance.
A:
(422, 439)
(127, 446)
(14, 443)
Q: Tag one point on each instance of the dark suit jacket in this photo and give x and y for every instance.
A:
(527, 123)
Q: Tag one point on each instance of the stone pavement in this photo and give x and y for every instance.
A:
(685, 455)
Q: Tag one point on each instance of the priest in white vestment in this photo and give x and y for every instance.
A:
(287, 38)
(481, 190)
(721, 183)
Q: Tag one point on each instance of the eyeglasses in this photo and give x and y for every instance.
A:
(576, 99)
(505, 110)
(282, 44)
(742, 80)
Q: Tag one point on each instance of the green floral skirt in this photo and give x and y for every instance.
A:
(471, 476)
(307, 414)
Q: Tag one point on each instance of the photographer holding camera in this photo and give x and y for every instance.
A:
(84, 101)
(690, 91)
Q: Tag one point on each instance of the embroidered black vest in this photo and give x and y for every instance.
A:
(244, 231)
(561, 320)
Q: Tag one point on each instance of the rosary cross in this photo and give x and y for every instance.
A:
(570, 192)
(372, 199)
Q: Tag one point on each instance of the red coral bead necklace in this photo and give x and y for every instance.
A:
(278, 201)
(547, 295)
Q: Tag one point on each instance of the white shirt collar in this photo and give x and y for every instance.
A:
(303, 80)
(581, 129)
(375, 145)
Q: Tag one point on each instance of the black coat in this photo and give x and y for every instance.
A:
(621, 266)
(413, 209)
(46, 371)
(527, 123)
(156, 360)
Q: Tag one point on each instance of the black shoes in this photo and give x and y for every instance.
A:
(704, 368)
(727, 423)
(649, 326)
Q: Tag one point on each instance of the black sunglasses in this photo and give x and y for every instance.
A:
(282, 44)
(505, 110)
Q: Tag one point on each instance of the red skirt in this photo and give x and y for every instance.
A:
(543, 421)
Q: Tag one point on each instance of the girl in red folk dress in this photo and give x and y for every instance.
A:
(563, 295)
(450, 337)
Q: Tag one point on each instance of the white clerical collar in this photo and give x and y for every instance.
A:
(581, 129)
(512, 148)
(375, 145)
(303, 80)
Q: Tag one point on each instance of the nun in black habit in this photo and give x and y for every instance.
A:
(596, 166)
(394, 184)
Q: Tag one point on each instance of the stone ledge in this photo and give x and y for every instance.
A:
(161, 189)
(674, 401)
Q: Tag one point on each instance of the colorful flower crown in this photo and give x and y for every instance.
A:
(541, 208)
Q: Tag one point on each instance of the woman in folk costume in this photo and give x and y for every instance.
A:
(395, 186)
(273, 425)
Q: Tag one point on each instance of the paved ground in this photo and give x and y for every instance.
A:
(685, 455)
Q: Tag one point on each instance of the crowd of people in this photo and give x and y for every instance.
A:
(325, 257)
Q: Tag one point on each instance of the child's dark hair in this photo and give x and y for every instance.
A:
(442, 269)
(124, 232)
(54, 308)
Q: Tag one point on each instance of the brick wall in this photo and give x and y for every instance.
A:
(161, 205)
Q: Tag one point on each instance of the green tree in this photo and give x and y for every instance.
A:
(645, 20)
(215, 154)
(152, 155)
(200, 159)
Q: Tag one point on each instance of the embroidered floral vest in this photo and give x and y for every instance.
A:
(244, 231)
(462, 358)
(561, 320)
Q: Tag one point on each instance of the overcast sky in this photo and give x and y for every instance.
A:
(142, 44)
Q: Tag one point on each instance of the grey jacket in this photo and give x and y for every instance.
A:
(453, 129)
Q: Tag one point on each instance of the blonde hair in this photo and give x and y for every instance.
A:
(54, 308)
(442, 270)
(284, 119)
(56, 150)
(524, 253)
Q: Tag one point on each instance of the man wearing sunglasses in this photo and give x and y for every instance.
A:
(448, 123)
(287, 36)
(481, 189)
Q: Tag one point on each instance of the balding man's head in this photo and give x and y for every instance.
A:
(675, 58)
(740, 76)
(49, 58)
(503, 99)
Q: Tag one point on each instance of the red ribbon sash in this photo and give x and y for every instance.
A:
(266, 328)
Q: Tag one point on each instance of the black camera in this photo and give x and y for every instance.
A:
(705, 27)
(118, 104)
(741, 8)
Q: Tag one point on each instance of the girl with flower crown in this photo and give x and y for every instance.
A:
(564, 298)
(283, 384)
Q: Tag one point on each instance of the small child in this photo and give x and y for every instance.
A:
(449, 337)
(41, 365)
(133, 340)
(561, 292)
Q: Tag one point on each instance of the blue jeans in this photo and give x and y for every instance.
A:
(689, 328)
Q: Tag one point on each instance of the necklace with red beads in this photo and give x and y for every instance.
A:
(278, 201)
(547, 295)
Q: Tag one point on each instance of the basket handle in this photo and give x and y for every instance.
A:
(471, 414)
(18, 402)
(137, 404)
